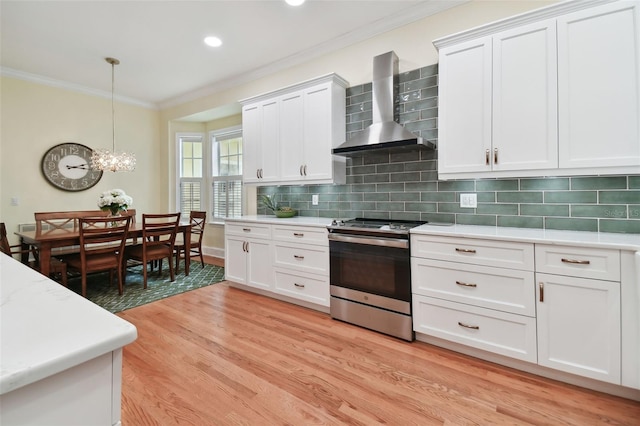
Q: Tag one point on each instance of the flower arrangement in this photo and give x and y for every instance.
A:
(114, 201)
(280, 211)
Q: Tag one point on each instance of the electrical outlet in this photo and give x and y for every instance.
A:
(469, 200)
(15, 201)
(314, 199)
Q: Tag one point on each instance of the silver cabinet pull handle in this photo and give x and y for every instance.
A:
(258, 173)
(301, 171)
(486, 157)
(465, 250)
(305, 169)
(466, 284)
(576, 262)
(495, 156)
(247, 246)
(298, 257)
(246, 229)
(473, 327)
(298, 234)
(541, 285)
(299, 285)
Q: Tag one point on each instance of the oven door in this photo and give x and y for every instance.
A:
(372, 265)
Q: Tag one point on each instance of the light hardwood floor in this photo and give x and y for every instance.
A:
(222, 356)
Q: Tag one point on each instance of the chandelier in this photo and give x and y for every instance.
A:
(113, 161)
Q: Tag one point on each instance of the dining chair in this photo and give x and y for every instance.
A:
(197, 219)
(102, 243)
(58, 268)
(158, 240)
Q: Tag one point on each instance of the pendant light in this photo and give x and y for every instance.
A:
(113, 161)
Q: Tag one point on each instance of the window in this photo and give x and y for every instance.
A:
(191, 175)
(217, 166)
(227, 173)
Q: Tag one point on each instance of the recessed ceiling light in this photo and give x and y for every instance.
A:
(294, 2)
(212, 41)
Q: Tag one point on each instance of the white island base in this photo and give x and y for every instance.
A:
(60, 354)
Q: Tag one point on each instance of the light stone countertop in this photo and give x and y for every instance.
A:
(546, 236)
(296, 220)
(46, 328)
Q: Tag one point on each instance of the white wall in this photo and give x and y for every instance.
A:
(34, 118)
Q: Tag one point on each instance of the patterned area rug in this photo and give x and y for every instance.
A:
(100, 292)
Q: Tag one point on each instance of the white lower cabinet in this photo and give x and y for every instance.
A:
(494, 331)
(248, 260)
(561, 311)
(287, 260)
(579, 325)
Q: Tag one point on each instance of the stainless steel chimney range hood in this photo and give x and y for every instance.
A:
(384, 133)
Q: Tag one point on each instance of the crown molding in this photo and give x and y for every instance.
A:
(46, 81)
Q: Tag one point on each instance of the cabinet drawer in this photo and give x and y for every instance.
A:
(498, 332)
(507, 290)
(314, 289)
(300, 234)
(248, 229)
(478, 252)
(581, 262)
(313, 259)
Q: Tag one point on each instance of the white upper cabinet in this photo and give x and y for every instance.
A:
(464, 107)
(260, 127)
(295, 140)
(552, 92)
(599, 82)
(525, 112)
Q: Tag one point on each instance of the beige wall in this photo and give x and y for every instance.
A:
(34, 118)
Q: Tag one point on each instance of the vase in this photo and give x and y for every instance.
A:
(114, 214)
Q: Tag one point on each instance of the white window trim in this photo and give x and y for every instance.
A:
(209, 177)
(206, 179)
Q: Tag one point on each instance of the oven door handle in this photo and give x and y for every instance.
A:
(370, 241)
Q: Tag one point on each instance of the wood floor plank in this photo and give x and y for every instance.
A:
(223, 356)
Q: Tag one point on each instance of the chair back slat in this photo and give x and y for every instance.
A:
(5, 247)
(55, 221)
(198, 220)
(160, 229)
(103, 235)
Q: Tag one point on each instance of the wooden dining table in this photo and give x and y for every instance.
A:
(46, 241)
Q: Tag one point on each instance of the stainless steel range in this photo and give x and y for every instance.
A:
(370, 274)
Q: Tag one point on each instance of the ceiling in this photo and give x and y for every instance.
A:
(163, 60)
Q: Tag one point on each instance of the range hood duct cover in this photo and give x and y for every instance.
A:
(384, 133)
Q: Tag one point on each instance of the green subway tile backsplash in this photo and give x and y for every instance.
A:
(404, 184)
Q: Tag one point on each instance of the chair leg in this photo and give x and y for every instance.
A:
(201, 259)
(178, 251)
(84, 284)
(171, 271)
(63, 273)
(120, 281)
(144, 274)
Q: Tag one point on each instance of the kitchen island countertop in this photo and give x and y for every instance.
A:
(46, 329)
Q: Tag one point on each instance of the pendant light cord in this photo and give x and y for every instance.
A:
(113, 111)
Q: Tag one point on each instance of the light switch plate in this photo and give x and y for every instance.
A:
(314, 199)
(469, 200)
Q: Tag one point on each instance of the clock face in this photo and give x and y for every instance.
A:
(68, 166)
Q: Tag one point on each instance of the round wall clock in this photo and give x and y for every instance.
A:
(68, 166)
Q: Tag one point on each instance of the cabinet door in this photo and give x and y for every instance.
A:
(599, 86)
(251, 143)
(525, 98)
(579, 326)
(235, 260)
(291, 137)
(259, 264)
(317, 133)
(270, 137)
(465, 107)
